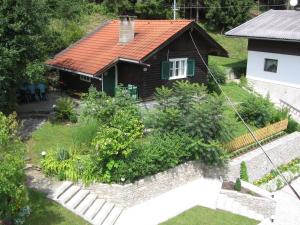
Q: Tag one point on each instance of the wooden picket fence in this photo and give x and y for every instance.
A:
(260, 134)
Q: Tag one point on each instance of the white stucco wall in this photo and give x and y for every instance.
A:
(288, 70)
(285, 84)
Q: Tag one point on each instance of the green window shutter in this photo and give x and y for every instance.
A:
(191, 67)
(165, 70)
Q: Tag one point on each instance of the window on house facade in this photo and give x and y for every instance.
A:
(271, 65)
(85, 78)
(178, 68)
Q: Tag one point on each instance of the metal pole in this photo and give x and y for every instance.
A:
(174, 10)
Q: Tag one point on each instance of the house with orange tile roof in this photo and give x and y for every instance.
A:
(142, 53)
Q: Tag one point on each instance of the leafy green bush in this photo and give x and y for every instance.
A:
(62, 154)
(64, 109)
(244, 172)
(292, 126)
(219, 74)
(188, 108)
(257, 111)
(13, 193)
(238, 185)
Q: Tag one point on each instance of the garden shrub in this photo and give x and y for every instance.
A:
(292, 125)
(238, 185)
(13, 193)
(244, 172)
(257, 111)
(219, 74)
(64, 110)
(188, 108)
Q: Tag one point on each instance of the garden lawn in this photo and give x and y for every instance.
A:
(235, 92)
(46, 211)
(236, 48)
(48, 136)
(204, 216)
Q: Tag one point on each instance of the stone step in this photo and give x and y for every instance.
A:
(113, 216)
(68, 194)
(65, 186)
(103, 214)
(94, 209)
(86, 204)
(77, 199)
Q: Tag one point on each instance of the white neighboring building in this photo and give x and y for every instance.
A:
(274, 54)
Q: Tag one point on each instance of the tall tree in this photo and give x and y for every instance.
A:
(154, 9)
(226, 14)
(22, 24)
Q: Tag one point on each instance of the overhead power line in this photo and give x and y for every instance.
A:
(243, 121)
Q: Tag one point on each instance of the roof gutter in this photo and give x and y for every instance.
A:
(76, 72)
(133, 61)
(262, 38)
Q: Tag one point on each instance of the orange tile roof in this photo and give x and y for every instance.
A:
(102, 48)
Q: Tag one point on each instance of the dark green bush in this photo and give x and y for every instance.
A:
(244, 172)
(64, 110)
(292, 126)
(13, 193)
(188, 108)
(257, 111)
(238, 185)
(219, 74)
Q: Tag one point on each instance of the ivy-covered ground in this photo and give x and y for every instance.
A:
(204, 216)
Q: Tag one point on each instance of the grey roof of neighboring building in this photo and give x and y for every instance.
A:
(273, 24)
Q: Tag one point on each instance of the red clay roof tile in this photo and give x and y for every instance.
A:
(101, 48)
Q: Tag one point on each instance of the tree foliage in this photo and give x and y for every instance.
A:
(13, 193)
(226, 14)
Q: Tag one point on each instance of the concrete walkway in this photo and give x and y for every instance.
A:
(288, 206)
(199, 192)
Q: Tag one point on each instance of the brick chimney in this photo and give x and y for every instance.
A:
(126, 29)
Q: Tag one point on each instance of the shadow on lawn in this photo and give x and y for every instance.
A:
(46, 211)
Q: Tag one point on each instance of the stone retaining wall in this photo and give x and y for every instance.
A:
(152, 186)
(281, 151)
(260, 205)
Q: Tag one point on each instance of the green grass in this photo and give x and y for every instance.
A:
(46, 211)
(236, 92)
(47, 137)
(204, 216)
(236, 48)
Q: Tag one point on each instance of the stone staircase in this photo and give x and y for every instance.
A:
(87, 204)
(229, 204)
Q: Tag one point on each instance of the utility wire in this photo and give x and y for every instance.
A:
(188, 6)
(241, 118)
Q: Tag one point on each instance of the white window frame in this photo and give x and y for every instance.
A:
(180, 69)
(85, 78)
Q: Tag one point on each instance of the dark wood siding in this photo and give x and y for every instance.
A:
(281, 47)
(182, 47)
(129, 73)
(72, 81)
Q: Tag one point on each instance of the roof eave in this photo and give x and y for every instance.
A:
(74, 71)
(262, 38)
